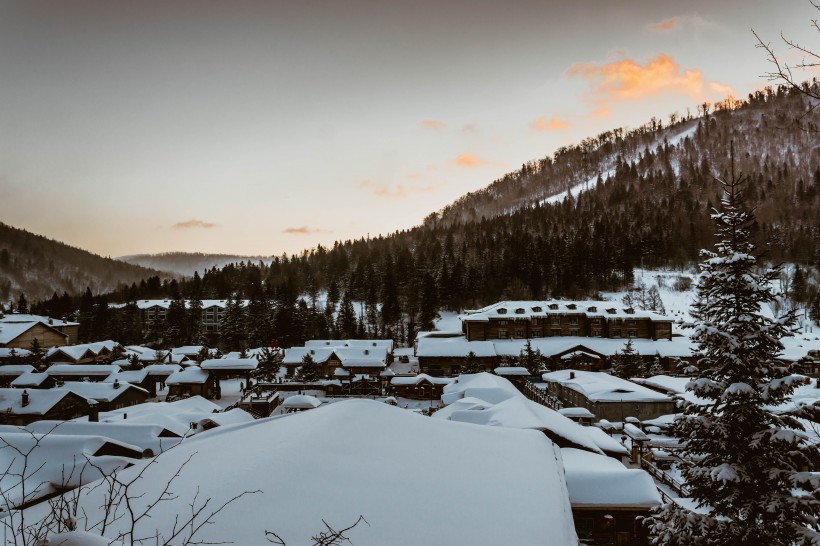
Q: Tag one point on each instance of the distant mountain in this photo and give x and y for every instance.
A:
(37, 267)
(185, 263)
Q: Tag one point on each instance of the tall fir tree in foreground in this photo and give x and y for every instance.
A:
(748, 465)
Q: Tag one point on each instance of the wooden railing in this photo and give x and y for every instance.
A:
(665, 478)
(535, 394)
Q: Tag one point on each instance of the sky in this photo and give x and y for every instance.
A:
(268, 127)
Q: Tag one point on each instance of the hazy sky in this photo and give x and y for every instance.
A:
(264, 127)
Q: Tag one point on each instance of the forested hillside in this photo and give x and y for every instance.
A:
(186, 263)
(37, 267)
(648, 203)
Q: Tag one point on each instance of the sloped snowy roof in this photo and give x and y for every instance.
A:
(82, 370)
(72, 352)
(6, 352)
(416, 379)
(607, 443)
(230, 417)
(602, 387)
(135, 377)
(53, 461)
(29, 379)
(240, 364)
(680, 347)
(505, 371)
(484, 386)
(192, 375)
(40, 400)
(10, 331)
(365, 357)
(479, 486)
(670, 385)
(15, 369)
(102, 392)
(600, 481)
(143, 435)
(176, 417)
(162, 369)
(294, 355)
(454, 347)
(24, 317)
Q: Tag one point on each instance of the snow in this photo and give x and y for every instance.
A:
(602, 387)
(101, 392)
(453, 347)
(578, 413)
(301, 401)
(417, 481)
(512, 371)
(53, 461)
(29, 379)
(237, 364)
(191, 375)
(600, 481)
(416, 379)
(40, 400)
(143, 435)
(15, 369)
(82, 370)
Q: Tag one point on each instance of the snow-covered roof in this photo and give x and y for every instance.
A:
(479, 486)
(40, 401)
(671, 385)
(102, 392)
(416, 379)
(679, 347)
(143, 435)
(602, 387)
(53, 463)
(188, 350)
(191, 375)
(294, 355)
(607, 443)
(535, 309)
(173, 416)
(362, 357)
(29, 379)
(162, 369)
(72, 352)
(135, 377)
(239, 364)
(6, 352)
(82, 370)
(600, 481)
(10, 331)
(485, 386)
(454, 347)
(15, 369)
(12, 318)
(301, 401)
(578, 413)
(506, 371)
(230, 417)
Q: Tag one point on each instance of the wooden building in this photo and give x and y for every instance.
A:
(192, 381)
(109, 396)
(22, 406)
(538, 319)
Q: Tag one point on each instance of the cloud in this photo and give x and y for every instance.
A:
(398, 191)
(433, 124)
(194, 224)
(304, 230)
(674, 23)
(469, 128)
(554, 124)
(626, 79)
(472, 161)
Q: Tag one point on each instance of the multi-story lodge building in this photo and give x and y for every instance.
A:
(213, 311)
(538, 319)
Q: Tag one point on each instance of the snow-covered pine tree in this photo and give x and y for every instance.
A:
(471, 364)
(627, 363)
(748, 471)
(310, 370)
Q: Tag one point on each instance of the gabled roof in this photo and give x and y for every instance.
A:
(191, 375)
(417, 379)
(602, 387)
(362, 357)
(239, 364)
(135, 377)
(41, 401)
(536, 309)
(16, 369)
(102, 392)
(29, 379)
(9, 331)
(71, 352)
(294, 355)
(25, 317)
(454, 347)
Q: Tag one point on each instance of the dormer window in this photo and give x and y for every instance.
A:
(536, 309)
(367, 351)
(611, 311)
(571, 306)
(592, 309)
(312, 352)
(519, 311)
(553, 306)
(502, 311)
(629, 311)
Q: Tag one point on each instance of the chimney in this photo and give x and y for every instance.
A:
(125, 416)
(94, 416)
(572, 375)
(116, 383)
(25, 398)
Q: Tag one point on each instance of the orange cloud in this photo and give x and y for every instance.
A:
(472, 161)
(470, 128)
(400, 190)
(193, 224)
(433, 124)
(304, 230)
(554, 124)
(667, 24)
(626, 79)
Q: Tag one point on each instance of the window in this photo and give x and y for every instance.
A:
(555, 332)
(571, 306)
(519, 311)
(502, 333)
(534, 322)
(502, 322)
(553, 306)
(519, 332)
(592, 309)
(574, 332)
(632, 332)
(596, 320)
(573, 321)
(596, 332)
(502, 311)
(535, 332)
(536, 309)
(556, 319)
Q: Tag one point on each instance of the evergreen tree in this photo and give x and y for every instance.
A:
(269, 365)
(655, 368)
(627, 363)
(232, 328)
(747, 463)
(346, 319)
(37, 353)
(310, 370)
(654, 301)
(22, 304)
(531, 360)
(471, 364)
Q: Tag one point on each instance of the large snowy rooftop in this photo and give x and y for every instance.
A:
(535, 309)
(418, 481)
(602, 387)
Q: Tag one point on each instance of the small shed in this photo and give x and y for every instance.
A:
(300, 402)
(192, 381)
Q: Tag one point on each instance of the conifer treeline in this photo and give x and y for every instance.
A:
(652, 210)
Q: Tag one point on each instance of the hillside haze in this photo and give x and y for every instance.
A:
(186, 263)
(38, 267)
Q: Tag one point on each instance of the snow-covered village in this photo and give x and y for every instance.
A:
(408, 273)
